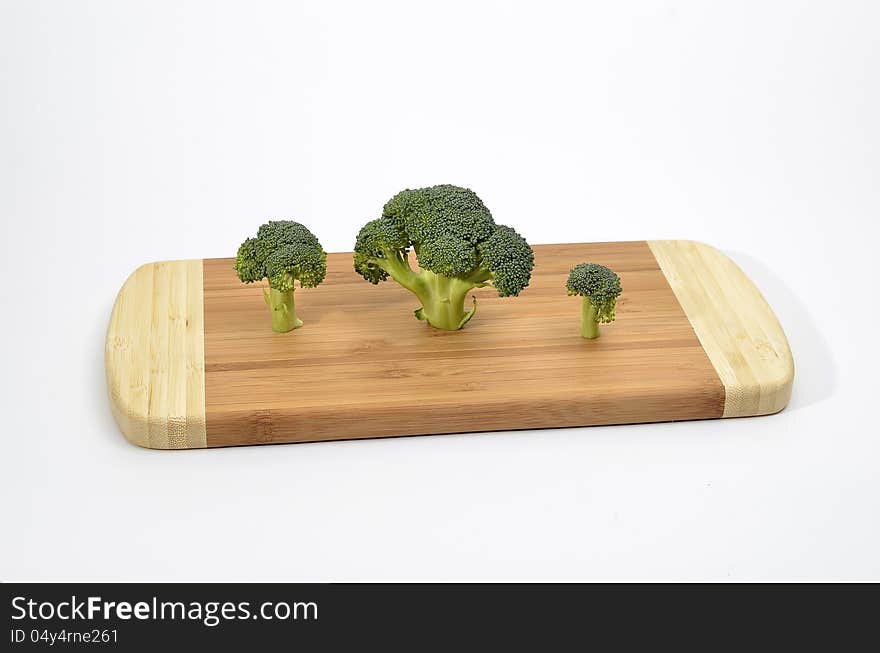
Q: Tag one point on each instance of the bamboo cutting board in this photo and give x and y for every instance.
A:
(192, 361)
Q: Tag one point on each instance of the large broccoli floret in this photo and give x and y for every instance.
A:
(282, 252)
(458, 247)
(600, 288)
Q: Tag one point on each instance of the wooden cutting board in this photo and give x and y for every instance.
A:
(192, 361)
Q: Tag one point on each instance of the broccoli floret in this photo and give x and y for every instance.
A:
(379, 239)
(282, 252)
(600, 287)
(458, 247)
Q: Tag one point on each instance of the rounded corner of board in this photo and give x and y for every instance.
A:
(735, 325)
(154, 356)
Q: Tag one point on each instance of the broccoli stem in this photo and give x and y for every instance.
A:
(589, 321)
(396, 264)
(443, 301)
(283, 310)
(442, 297)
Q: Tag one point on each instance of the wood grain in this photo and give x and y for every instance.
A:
(362, 366)
(734, 323)
(192, 360)
(154, 355)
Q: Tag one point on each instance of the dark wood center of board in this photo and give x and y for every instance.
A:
(363, 366)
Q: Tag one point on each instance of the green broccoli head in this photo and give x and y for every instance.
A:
(448, 255)
(248, 264)
(282, 252)
(425, 214)
(509, 259)
(378, 240)
(458, 246)
(298, 261)
(598, 284)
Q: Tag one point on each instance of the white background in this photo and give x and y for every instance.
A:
(137, 131)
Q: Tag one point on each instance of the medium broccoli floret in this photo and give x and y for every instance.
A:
(510, 260)
(283, 252)
(380, 239)
(600, 287)
(458, 247)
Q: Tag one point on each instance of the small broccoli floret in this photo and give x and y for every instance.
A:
(379, 240)
(600, 287)
(509, 259)
(458, 247)
(448, 255)
(248, 264)
(283, 252)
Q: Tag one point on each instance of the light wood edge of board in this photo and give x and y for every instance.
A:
(734, 323)
(156, 376)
